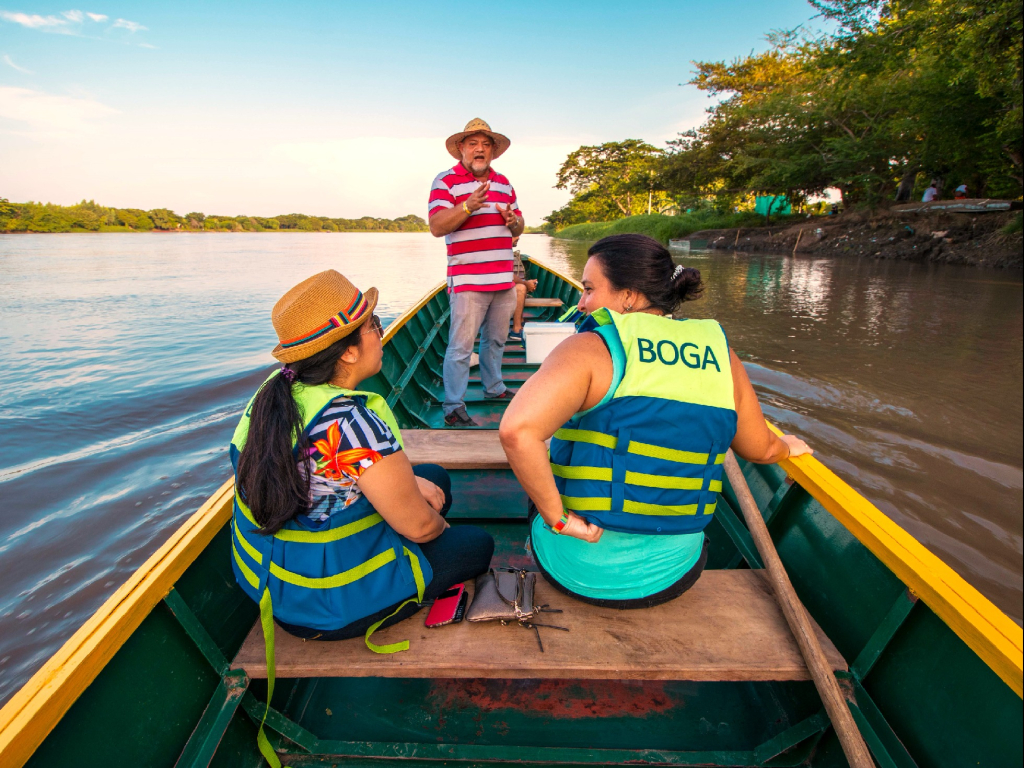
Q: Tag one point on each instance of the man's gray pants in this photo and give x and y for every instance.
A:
(489, 314)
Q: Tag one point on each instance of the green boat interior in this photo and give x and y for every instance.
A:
(711, 678)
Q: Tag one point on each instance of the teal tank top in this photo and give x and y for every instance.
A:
(621, 566)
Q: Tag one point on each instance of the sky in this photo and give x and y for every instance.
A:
(341, 109)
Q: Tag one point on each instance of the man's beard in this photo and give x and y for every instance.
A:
(484, 166)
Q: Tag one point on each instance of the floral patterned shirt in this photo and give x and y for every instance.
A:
(345, 441)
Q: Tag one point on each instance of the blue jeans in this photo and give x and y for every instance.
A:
(460, 553)
(473, 312)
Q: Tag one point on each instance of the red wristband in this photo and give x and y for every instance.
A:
(557, 527)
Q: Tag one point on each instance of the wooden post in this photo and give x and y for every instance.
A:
(736, 241)
(798, 236)
(799, 622)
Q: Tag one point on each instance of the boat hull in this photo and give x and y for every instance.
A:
(933, 678)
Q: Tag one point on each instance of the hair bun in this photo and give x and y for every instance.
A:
(687, 284)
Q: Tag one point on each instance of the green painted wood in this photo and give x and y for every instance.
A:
(203, 743)
(884, 633)
(197, 632)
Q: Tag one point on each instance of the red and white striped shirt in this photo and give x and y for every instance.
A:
(480, 251)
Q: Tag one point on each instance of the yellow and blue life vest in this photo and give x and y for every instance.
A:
(648, 458)
(325, 575)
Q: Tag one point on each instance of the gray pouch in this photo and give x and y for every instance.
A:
(506, 594)
(503, 594)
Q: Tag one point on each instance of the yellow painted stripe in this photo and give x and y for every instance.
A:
(398, 324)
(38, 706)
(990, 633)
(338, 579)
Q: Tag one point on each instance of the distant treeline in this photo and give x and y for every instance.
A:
(88, 216)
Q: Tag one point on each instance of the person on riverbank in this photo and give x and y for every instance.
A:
(639, 409)
(932, 193)
(523, 287)
(960, 193)
(475, 209)
(335, 532)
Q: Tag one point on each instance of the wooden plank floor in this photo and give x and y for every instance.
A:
(726, 627)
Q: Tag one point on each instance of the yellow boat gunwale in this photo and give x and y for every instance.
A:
(38, 706)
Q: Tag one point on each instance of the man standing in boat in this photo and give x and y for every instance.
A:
(475, 210)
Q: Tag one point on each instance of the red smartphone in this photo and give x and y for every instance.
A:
(448, 607)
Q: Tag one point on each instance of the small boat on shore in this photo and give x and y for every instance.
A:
(973, 205)
(171, 669)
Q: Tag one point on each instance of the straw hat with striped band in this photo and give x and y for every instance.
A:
(317, 312)
(476, 125)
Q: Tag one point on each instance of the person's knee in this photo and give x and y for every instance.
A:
(520, 292)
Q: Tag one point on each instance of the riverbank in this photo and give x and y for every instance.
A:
(989, 240)
(660, 227)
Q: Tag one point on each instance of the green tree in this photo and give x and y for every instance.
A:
(620, 175)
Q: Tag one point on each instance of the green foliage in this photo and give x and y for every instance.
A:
(613, 180)
(901, 92)
(88, 216)
(661, 228)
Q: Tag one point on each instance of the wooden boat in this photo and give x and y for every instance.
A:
(170, 670)
(964, 205)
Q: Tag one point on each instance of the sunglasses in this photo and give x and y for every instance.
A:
(376, 326)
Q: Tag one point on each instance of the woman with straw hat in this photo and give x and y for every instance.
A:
(335, 533)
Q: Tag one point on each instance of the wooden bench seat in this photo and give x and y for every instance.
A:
(455, 448)
(539, 302)
(727, 627)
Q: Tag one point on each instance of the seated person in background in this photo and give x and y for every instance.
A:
(334, 530)
(640, 409)
(932, 193)
(523, 287)
(960, 193)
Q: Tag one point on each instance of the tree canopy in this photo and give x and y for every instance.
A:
(902, 91)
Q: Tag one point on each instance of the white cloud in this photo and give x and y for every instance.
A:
(34, 21)
(76, 16)
(131, 26)
(50, 114)
(10, 63)
(97, 16)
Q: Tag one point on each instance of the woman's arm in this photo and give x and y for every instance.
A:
(390, 486)
(754, 441)
(569, 381)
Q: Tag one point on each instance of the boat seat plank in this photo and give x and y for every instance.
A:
(727, 627)
(455, 448)
(539, 302)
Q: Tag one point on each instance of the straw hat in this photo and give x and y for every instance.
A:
(476, 125)
(318, 312)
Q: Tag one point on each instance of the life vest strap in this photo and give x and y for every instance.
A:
(604, 504)
(635, 478)
(640, 449)
(315, 537)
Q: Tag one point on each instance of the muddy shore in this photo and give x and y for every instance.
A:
(946, 238)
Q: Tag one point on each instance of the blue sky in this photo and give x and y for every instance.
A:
(340, 109)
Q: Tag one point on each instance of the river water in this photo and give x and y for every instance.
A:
(126, 360)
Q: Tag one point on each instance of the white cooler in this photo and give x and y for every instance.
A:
(541, 338)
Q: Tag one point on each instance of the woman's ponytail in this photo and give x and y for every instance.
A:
(269, 478)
